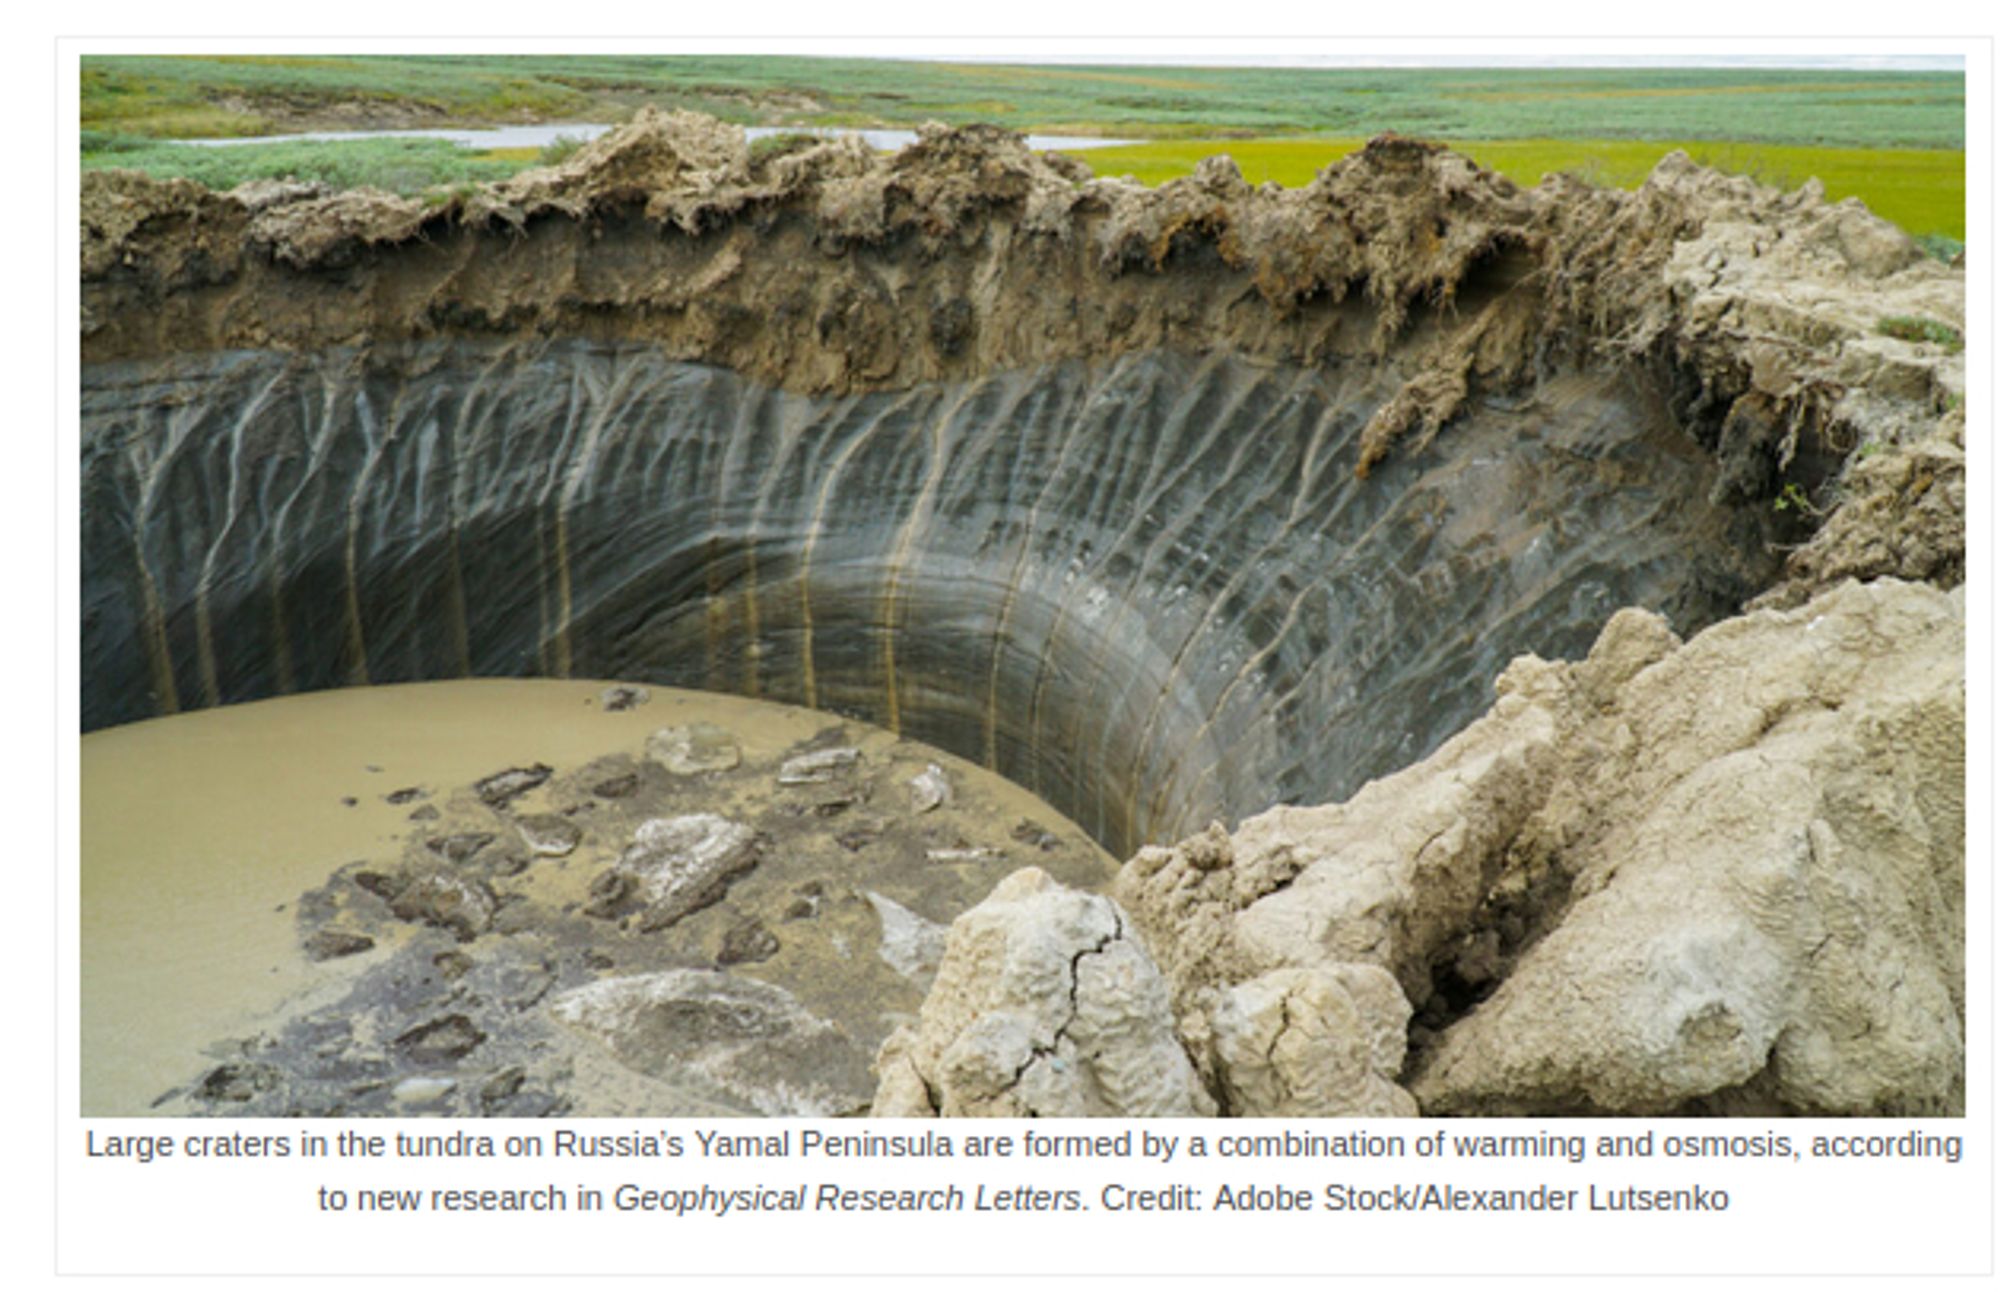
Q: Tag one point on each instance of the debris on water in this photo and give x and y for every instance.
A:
(1026, 831)
(333, 944)
(548, 835)
(617, 699)
(502, 788)
(459, 847)
(816, 768)
(929, 788)
(695, 748)
(952, 855)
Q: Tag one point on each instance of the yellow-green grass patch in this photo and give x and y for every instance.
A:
(1921, 189)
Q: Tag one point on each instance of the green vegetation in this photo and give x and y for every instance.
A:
(406, 166)
(1793, 497)
(557, 150)
(1910, 327)
(1893, 139)
(168, 97)
(1921, 189)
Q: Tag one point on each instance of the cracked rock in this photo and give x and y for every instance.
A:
(1044, 1006)
(1321, 1042)
(678, 865)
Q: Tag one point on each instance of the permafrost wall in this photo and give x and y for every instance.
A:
(1152, 589)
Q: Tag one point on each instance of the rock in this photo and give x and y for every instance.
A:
(238, 1082)
(502, 788)
(418, 1091)
(459, 847)
(911, 944)
(747, 943)
(832, 805)
(759, 1048)
(1323, 1042)
(618, 699)
(445, 900)
(695, 748)
(501, 1086)
(929, 788)
(549, 835)
(332, 944)
(818, 767)
(1766, 833)
(1043, 1006)
(440, 1041)
(616, 787)
(452, 964)
(428, 812)
(964, 853)
(1026, 831)
(1720, 875)
(408, 795)
(678, 865)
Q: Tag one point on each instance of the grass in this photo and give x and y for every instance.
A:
(407, 166)
(1923, 190)
(182, 97)
(1894, 139)
(1911, 327)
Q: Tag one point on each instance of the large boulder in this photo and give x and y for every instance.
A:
(1044, 1006)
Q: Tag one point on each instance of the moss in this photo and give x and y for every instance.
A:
(1911, 327)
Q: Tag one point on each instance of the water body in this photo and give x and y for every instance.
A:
(541, 136)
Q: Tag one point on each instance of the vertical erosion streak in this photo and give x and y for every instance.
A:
(900, 554)
(232, 510)
(1217, 606)
(1237, 392)
(582, 460)
(378, 434)
(1023, 557)
(548, 596)
(794, 421)
(715, 608)
(1305, 495)
(153, 461)
(816, 525)
(1209, 399)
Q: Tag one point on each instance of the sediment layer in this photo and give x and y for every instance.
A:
(1152, 591)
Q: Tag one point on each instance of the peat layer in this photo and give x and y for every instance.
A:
(1170, 505)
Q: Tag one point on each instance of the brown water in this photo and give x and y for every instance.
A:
(200, 832)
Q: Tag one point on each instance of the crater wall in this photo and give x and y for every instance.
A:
(1153, 589)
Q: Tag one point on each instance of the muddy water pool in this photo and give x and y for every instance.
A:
(216, 844)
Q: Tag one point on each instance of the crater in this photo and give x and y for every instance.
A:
(1169, 506)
